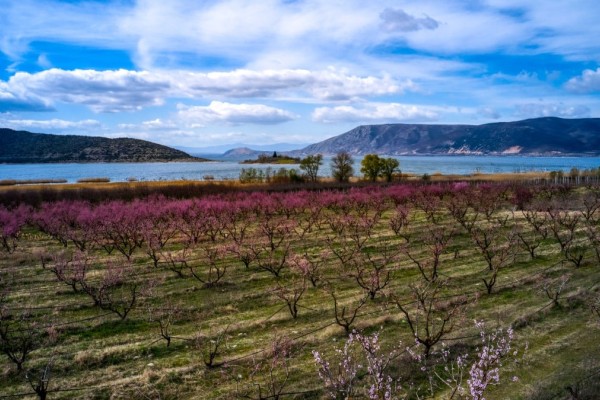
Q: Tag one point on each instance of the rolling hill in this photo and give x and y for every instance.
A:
(27, 147)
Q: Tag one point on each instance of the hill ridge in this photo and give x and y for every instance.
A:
(535, 136)
(17, 147)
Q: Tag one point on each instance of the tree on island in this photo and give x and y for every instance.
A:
(341, 166)
(310, 165)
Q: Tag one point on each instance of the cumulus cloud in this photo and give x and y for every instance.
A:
(11, 101)
(374, 112)
(102, 91)
(535, 110)
(124, 90)
(154, 125)
(330, 84)
(230, 113)
(51, 124)
(588, 82)
(397, 20)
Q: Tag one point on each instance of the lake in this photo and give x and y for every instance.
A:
(231, 169)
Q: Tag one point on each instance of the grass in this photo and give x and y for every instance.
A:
(13, 182)
(93, 180)
(99, 356)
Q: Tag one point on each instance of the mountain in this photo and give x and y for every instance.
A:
(538, 136)
(260, 148)
(27, 147)
(241, 152)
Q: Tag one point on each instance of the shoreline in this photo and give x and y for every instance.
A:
(405, 177)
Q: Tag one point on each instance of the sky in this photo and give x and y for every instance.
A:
(202, 73)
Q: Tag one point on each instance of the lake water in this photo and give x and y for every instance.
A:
(231, 169)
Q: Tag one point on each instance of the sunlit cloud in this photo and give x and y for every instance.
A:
(588, 82)
(51, 124)
(535, 110)
(218, 111)
(368, 113)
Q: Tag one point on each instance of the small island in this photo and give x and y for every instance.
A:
(273, 159)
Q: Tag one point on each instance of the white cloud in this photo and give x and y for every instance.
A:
(588, 82)
(24, 101)
(303, 34)
(329, 84)
(51, 124)
(102, 91)
(234, 114)
(242, 31)
(535, 110)
(87, 23)
(154, 125)
(43, 61)
(124, 90)
(375, 112)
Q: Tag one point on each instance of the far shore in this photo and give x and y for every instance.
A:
(102, 182)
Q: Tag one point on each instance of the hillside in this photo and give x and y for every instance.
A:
(27, 147)
(539, 136)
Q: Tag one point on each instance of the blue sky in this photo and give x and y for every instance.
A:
(203, 73)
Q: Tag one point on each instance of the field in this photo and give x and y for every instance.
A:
(441, 290)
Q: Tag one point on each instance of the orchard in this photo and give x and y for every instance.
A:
(389, 291)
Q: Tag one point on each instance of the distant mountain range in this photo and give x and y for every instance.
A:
(539, 136)
(27, 147)
(220, 149)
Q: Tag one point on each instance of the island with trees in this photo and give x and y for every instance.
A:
(273, 159)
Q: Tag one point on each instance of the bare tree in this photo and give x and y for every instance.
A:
(68, 268)
(553, 287)
(290, 290)
(39, 380)
(497, 248)
(538, 218)
(459, 206)
(400, 222)
(564, 227)
(212, 268)
(430, 204)
(435, 240)
(118, 290)
(210, 346)
(372, 268)
(345, 315)
(529, 240)
(20, 334)
(429, 317)
(272, 248)
(270, 376)
(165, 315)
(308, 265)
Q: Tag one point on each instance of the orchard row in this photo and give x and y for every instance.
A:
(420, 252)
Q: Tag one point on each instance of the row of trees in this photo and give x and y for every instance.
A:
(342, 169)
